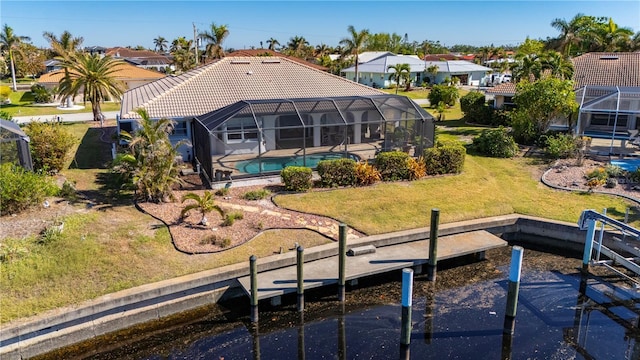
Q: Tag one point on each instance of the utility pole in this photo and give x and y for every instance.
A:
(195, 42)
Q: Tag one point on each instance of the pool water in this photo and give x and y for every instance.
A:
(627, 164)
(259, 165)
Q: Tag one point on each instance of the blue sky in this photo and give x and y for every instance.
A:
(131, 23)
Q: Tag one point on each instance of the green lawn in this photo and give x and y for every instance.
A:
(113, 246)
(22, 105)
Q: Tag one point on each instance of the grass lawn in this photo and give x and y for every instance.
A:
(22, 105)
(112, 246)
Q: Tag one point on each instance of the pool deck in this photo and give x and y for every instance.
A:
(277, 282)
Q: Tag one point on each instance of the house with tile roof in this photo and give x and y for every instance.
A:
(607, 91)
(145, 59)
(376, 73)
(251, 115)
(128, 74)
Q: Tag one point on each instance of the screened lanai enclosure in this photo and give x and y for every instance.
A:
(256, 137)
(610, 115)
(14, 145)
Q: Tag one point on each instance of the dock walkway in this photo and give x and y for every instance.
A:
(323, 272)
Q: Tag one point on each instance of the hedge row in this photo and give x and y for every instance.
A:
(445, 158)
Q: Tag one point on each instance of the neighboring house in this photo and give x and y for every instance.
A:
(376, 73)
(130, 75)
(241, 113)
(363, 57)
(95, 50)
(145, 59)
(52, 65)
(607, 91)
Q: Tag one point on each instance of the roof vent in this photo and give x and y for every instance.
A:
(608, 57)
(240, 62)
(249, 72)
(271, 61)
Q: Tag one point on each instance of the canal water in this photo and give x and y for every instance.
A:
(461, 317)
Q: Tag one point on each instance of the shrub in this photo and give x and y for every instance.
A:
(392, 165)
(417, 168)
(445, 158)
(296, 178)
(222, 191)
(338, 172)
(68, 191)
(40, 94)
(21, 189)
(634, 176)
(224, 243)
(50, 145)
(475, 109)
(594, 183)
(231, 218)
(495, 143)
(366, 174)
(598, 174)
(256, 194)
(5, 92)
(560, 146)
(445, 93)
(614, 170)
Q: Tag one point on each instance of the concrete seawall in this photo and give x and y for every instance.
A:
(62, 327)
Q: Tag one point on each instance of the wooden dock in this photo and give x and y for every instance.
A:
(323, 272)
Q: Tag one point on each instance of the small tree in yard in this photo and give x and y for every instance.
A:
(538, 103)
(50, 144)
(445, 93)
(204, 204)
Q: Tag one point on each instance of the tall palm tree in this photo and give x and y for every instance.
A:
(183, 57)
(611, 37)
(94, 76)
(204, 204)
(400, 72)
(272, 43)
(526, 67)
(10, 42)
(321, 50)
(64, 45)
(160, 44)
(214, 38)
(569, 32)
(354, 44)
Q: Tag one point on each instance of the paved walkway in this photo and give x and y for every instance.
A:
(66, 118)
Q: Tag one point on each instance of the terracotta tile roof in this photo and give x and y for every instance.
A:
(232, 79)
(607, 69)
(264, 52)
(503, 89)
(124, 71)
(440, 57)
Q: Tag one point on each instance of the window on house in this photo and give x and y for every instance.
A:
(179, 128)
(242, 129)
(609, 120)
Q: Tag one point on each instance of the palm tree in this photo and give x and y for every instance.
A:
(400, 72)
(433, 70)
(527, 67)
(65, 45)
(204, 204)
(297, 46)
(155, 167)
(160, 44)
(214, 38)
(183, 57)
(353, 45)
(557, 65)
(569, 32)
(10, 42)
(321, 50)
(272, 44)
(611, 37)
(94, 76)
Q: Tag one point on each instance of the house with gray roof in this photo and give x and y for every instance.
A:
(255, 115)
(376, 73)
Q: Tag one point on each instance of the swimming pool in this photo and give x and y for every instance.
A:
(627, 164)
(267, 164)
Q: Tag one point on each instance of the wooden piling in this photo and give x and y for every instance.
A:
(432, 265)
(514, 287)
(407, 295)
(342, 260)
(253, 269)
(300, 264)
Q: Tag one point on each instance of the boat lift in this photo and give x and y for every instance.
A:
(629, 243)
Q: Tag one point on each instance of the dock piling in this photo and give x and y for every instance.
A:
(342, 260)
(407, 295)
(514, 287)
(588, 244)
(300, 264)
(432, 265)
(253, 269)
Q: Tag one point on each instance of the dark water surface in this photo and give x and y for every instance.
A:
(461, 317)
